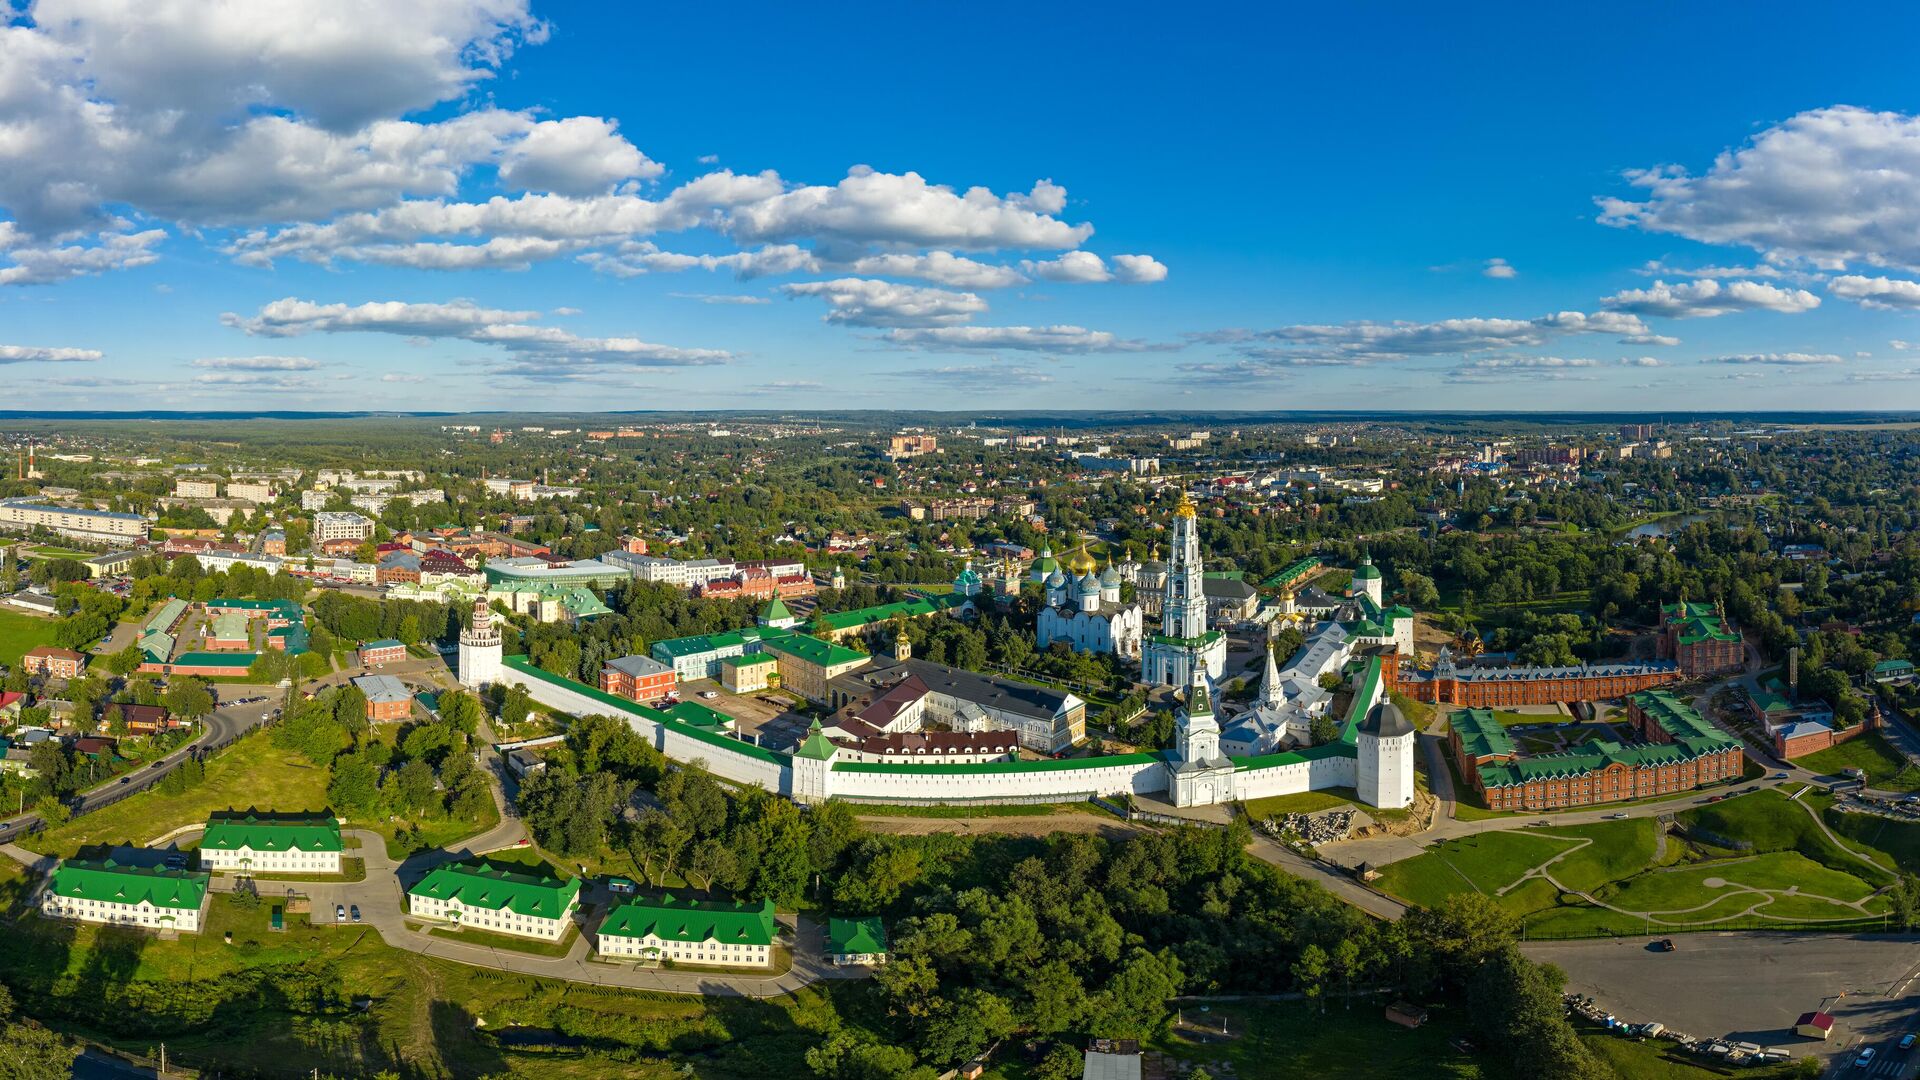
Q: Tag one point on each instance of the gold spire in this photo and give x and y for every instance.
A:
(1185, 509)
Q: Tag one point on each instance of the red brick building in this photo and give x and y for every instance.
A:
(1500, 687)
(638, 678)
(55, 661)
(384, 651)
(1681, 752)
(1700, 641)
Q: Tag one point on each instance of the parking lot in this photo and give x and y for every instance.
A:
(1752, 987)
(772, 718)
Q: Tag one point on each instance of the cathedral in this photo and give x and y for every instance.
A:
(1184, 645)
(1086, 612)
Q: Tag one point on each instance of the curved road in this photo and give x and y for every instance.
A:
(226, 723)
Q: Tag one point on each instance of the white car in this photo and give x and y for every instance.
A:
(709, 693)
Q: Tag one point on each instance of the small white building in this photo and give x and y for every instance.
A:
(496, 900)
(703, 933)
(149, 897)
(271, 844)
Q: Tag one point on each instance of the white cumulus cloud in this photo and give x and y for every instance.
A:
(30, 354)
(1707, 298)
(870, 302)
(1876, 292)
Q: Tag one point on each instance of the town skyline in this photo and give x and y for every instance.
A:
(460, 207)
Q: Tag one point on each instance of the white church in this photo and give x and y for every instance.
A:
(1085, 611)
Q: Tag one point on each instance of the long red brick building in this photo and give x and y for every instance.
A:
(1448, 683)
(1698, 639)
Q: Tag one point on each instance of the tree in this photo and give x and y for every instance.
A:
(349, 704)
(29, 1051)
(355, 788)
(126, 661)
(1061, 1062)
(1310, 973)
(413, 786)
(189, 698)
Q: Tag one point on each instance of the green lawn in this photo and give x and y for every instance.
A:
(1485, 863)
(1897, 841)
(508, 941)
(250, 773)
(1305, 802)
(1685, 888)
(1886, 768)
(1619, 848)
(1283, 1040)
(18, 633)
(1768, 821)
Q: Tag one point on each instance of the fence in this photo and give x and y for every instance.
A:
(1875, 924)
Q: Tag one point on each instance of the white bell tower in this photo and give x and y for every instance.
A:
(480, 649)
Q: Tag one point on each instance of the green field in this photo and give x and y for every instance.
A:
(1886, 768)
(1791, 872)
(1304, 802)
(18, 633)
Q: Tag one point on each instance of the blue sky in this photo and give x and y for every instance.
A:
(486, 204)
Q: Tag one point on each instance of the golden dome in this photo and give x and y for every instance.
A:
(1082, 563)
(1185, 509)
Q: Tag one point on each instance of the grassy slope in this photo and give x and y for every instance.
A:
(1282, 1040)
(250, 773)
(1485, 863)
(1770, 822)
(18, 633)
(1886, 768)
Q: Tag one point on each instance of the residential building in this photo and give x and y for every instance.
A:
(273, 542)
(103, 891)
(252, 491)
(145, 719)
(54, 661)
(387, 697)
(901, 447)
(384, 651)
(341, 525)
(196, 489)
(675, 930)
(21, 515)
(496, 900)
(257, 843)
(856, 941)
(807, 663)
(638, 678)
(218, 561)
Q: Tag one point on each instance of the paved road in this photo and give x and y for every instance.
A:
(228, 722)
(1752, 986)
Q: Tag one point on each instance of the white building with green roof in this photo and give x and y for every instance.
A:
(254, 843)
(104, 891)
(853, 941)
(496, 899)
(671, 929)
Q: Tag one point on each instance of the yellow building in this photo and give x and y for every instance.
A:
(807, 663)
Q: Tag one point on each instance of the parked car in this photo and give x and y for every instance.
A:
(339, 913)
(1617, 817)
(1779, 776)
(1665, 944)
(355, 912)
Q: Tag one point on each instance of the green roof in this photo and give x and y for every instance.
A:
(1697, 623)
(813, 650)
(287, 608)
(156, 646)
(215, 659)
(108, 882)
(879, 613)
(271, 832)
(295, 635)
(485, 885)
(1294, 757)
(817, 746)
(692, 712)
(618, 706)
(1187, 643)
(1481, 733)
(1769, 702)
(166, 614)
(1366, 571)
(384, 643)
(705, 643)
(752, 659)
(1886, 667)
(229, 627)
(671, 918)
(990, 768)
(1292, 573)
(776, 609)
(864, 935)
(1363, 692)
(1676, 716)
